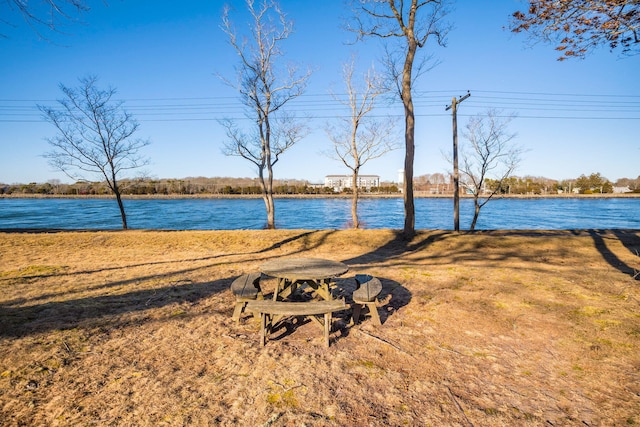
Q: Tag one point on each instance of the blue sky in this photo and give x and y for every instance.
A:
(573, 117)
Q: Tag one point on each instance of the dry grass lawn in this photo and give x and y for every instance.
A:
(485, 329)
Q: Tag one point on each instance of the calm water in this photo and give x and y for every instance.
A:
(322, 213)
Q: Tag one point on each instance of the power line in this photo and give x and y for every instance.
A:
(316, 105)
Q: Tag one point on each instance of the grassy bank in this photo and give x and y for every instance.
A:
(483, 329)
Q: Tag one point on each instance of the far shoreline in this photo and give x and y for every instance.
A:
(417, 195)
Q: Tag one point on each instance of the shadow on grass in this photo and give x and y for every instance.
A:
(25, 316)
(220, 258)
(471, 250)
(399, 246)
(100, 311)
(276, 245)
(629, 239)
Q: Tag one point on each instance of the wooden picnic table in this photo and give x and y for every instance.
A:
(293, 272)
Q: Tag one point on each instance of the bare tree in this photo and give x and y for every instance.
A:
(579, 26)
(94, 136)
(48, 14)
(438, 180)
(357, 138)
(265, 91)
(411, 24)
(489, 154)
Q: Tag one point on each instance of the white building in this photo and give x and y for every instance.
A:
(340, 182)
(620, 190)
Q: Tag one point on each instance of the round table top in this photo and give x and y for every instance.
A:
(304, 268)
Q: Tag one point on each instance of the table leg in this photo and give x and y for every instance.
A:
(327, 328)
(323, 289)
(263, 328)
(281, 286)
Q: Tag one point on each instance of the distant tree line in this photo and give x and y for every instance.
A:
(436, 184)
(180, 187)
(439, 183)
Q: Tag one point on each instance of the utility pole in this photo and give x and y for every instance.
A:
(456, 178)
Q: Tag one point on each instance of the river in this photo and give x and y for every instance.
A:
(564, 213)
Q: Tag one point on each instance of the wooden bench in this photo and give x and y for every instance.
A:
(272, 311)
(245, 288)
(366, 295)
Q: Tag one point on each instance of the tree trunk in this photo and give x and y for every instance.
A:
(271, 211)
(409, 208)
(112, 182)
(476, 213)
(266, 186)
(123, 215)
(354, 202)
(409, 138)
(268, 197)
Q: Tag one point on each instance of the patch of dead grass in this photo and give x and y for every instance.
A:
(489, 328)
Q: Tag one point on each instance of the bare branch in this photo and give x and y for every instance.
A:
(489, 154)
(356, 138)
(94, 136)
(265, 90)
(49, 15)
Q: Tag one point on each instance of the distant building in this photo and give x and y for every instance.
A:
(340, 182)
(620, 190)
(316, 186)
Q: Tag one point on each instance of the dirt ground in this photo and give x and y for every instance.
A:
(134, 328)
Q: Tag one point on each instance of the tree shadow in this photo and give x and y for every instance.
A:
(396, 250)
(25, 316)
(398, 246)
(276, 245)
(220, 258)
(629, 240)
(100, 311)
